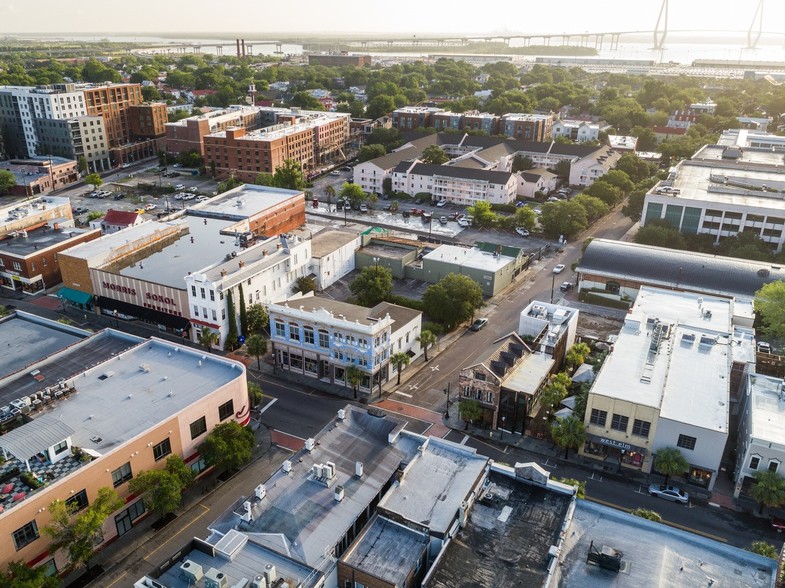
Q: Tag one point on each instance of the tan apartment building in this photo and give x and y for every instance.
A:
(128, 405)
(113, 102)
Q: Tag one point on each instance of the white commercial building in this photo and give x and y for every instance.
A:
(667, 384)
(332, 255)
(577, 130)
(751, 138)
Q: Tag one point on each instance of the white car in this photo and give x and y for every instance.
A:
(180, 187)
(441, 203)
(671, 493)
(178, 196)
(193, 189)
(188, 196)
(150, 207)
(558, 269)
(463, 223)
(522, 231)
(363, 208)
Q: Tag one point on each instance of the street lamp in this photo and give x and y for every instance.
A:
(553, 285)
(376, 264)
(501, 430)
(447, 392)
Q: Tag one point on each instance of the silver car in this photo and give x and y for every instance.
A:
(672, 493)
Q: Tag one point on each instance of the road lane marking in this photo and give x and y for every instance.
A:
(464, 440)
(268, 405)
(206, 510)
(117, 580)
(403, 394)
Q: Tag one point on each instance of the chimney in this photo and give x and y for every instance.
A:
(241, 263)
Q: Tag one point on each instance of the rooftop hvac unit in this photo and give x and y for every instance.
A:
(341, 414)
(309, 444)
(259, 582)
(338, 493)
(318, 471)
(191, 570)
(269, 574)
(358, 469)
(330, 470)
(287, 466)
(215, 579)
(260, 491)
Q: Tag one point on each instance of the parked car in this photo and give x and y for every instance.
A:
(387, 207)
(463, 223)
(150, 207)
(776, 523)
(335, 173)
(188, 196)
(565, 286)
(441, 203)
(522, 231)
(558, 269)
(672, 493)
(552, 199)
(478, 324)
(419, 201)
(180, 187)
(363, 208)
(119, 196)
(346, 168)
(193, 189)
(764, 347)
(201, 198)
(443, 220)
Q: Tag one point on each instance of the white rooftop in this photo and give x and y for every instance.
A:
(673, 355)
(767, 408)
(468, 257)
(243, 202)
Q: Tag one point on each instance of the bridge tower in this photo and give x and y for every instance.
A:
(659, 35)
(756, 27)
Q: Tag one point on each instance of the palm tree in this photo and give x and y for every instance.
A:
(256, 346)
(208, 338)
(399, 360)
(354, 376)
(330, 191)
(670, 461)
(577, 355)
(769, 489)
(552, 394)
(426, 339)
(568, 433)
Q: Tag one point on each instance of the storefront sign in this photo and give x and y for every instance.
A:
(117, 288)
(615, 443)
(158, 298)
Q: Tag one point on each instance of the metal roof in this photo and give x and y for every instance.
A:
(700, 272)
(35, 437)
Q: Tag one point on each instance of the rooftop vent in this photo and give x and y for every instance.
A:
(286, 466)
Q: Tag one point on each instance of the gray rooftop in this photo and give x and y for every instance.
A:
(462, 173)
(658, 555)
(351, 312)
(437, 480)
(699, 272)
(387, 550)
(400, 315)
(34, 437)
(25, 339)
(40, 239)
(327, 241)
(507, 538)
(242, 202)
(168, 265)
(299, 516)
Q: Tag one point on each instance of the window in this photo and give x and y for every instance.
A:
(754, 462)
(17, 266)
(773, 465)
(294, 332)
(122, 474)
(308, 335)
(641, 428)
(212, 295)
(598, 417)
(193, 291)
(225, 410)
(202, 292)
(279, 329)
(619, 422)
(324, 339)
(60, 447)
(161, 450)
(77, 501)
(198, 427)
(686, 442)
(25, 535)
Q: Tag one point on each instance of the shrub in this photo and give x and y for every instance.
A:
(404, 301)
(508, 208)
(435, 328)
(589, 297)
(649, 515)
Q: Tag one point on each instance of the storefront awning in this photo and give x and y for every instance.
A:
(623, 445)
(148, 314)
(75, 296)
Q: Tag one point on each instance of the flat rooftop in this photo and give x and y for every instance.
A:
(507, 538)
(329, 240)
(243, 202)
(767, 408)
(658, 555)
(168, 265)
(22, 207)
(299, 517)
(434, 484)
(238, 557)
(669, 344)
(254, 259)
(473, 258)
(39, 239)
(26, 339)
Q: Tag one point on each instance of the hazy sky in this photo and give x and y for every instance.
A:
(408, 16)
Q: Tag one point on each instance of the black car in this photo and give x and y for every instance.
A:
(119, 196)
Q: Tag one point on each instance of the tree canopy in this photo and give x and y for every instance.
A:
(229, 446)
(373, 285)
(770, 305)
(20, 575)
(452, 300)
(7, 181)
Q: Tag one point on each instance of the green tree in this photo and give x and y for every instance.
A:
(290, 176)
(330, 193)
(258, 320)
(79, 533)
(764, 548)
(372, 151)
(577, 355)
(620, 179)
(553, 393)
(434, 154)
(354, 376)
(635, 168)
(659, 235)
(373, 285)
(521, 163)
(594, 207)
(568, 433)
(228, 446)
(452, 300)
(243, 313)
(426, 338)
(255, 394)
(562, 169)
(94, 215)
(231, 337)
(354, 194)
(634, 206)
(7, 181)
(19, 575)
(94, 180)
(399, 361)
(81, 164)
(161, 491)
(209, 338)
(257, 346)
(304, 284)
(770, 306)
(481, 213)
(525, 217)
(379, 106)
(605, 191)
(469, 410)
(180, 470)
(769, 489)
(389, 138)
(669, 461)
(565, 217)
(264, 179)
(647, 514)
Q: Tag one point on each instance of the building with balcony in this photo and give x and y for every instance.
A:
(321, 337)
(667, 383)
(526, 127)
(188, 134)
(413, 117)
(579, 131)
(96, 413)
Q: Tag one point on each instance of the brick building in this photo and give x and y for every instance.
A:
(527, 127)
(148, 119)
(37, 175)
(113, 103)
(188, 134)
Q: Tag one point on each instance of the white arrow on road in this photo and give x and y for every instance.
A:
(434, 368)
